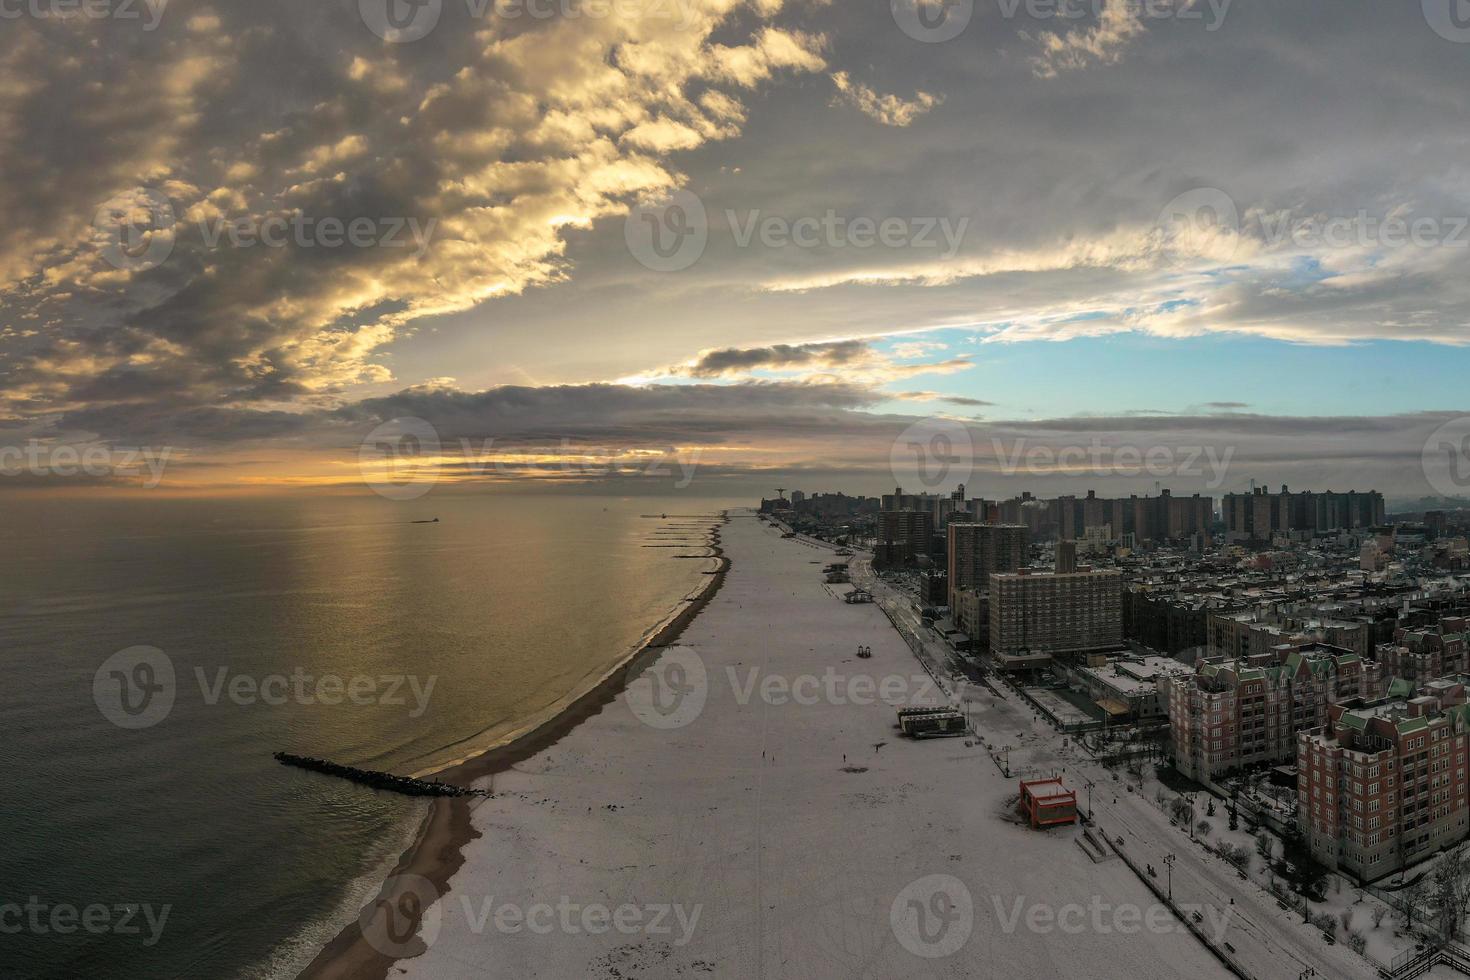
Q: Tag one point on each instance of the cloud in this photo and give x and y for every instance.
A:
(934, 396)
(855, 360)
(1062, 51)
(471, 153)
(890, 110)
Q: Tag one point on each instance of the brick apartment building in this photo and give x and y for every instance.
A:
(903, 536)
(1227, 716)
(1382, 784)
(1427, 652)
(977, 550)
(1050, 615)
(1259, 515)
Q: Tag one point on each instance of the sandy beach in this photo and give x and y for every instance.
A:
(745, 808)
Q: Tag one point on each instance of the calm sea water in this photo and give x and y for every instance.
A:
(507, 606)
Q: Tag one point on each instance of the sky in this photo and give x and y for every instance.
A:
(839, 245)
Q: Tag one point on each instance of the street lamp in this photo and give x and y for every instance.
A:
(1169, 866)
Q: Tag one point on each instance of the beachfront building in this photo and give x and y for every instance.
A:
(1047, 803)
(1226, 716)
(1382, 785)
(1129, 688)
(1038, 616)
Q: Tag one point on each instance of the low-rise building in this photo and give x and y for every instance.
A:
(1130, 688)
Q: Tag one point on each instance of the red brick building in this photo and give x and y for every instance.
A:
(1382, 785)
(1227, 716)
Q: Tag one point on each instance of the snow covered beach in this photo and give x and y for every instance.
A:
(746, 809)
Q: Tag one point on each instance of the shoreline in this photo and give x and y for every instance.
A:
(437, 850)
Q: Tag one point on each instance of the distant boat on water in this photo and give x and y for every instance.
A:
(434, 521)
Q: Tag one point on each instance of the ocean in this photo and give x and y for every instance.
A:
(146, 831)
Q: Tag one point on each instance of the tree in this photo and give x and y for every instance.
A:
(1452, 890)
(1210, 809)
(1263, 845)
(1204, 828)
(1378, 914)
(1412, 896)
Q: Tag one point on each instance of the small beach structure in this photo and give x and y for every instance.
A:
(930, 722)
(1047, 802)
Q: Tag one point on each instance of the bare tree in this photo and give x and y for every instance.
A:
(1452, 889)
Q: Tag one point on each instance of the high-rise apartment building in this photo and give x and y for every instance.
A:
(978, 550)
(903, 535)
(1054, 615)
(1260, 514)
